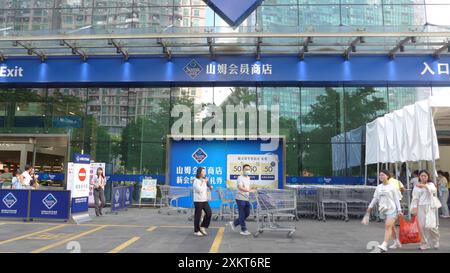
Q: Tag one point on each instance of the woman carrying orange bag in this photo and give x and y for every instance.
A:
(423, 205)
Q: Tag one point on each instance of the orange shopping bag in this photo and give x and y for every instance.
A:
(409, 231)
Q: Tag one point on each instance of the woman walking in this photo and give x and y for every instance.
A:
(443, 193)
(200, 188)
(423, 205)
(99, 191)
(387, 196)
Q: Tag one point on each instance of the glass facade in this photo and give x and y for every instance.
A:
(127, 127)
(74, 14)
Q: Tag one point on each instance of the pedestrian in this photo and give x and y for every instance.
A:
(26, 176)
(387, 196)
(17, 181)
(99, 191)
(242, 200)
(5, 178)
(200, 188)
(423, 205)
(443, 193)
(34, 179)
(415, 180)
(396, 183)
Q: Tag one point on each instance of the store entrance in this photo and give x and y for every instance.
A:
(47, 153)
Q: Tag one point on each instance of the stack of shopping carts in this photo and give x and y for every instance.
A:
(272, 204)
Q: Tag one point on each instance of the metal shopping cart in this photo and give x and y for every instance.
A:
(272, 203)
(356, 199)
(307, 201)
(170, 195)
(227, 203)
(332, 202)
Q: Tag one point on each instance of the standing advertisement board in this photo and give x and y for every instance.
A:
(78, 182)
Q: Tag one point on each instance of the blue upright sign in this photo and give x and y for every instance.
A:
(81, 159)
(225, 70)
(14, 203)
(50, 204)
(116, 199)
(234, 12)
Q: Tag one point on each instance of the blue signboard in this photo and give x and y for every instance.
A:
(315, 70)
(80, 204)
(127, 196)
(67, 122)
(330, 180)
(14, 203)
(185, 156)
(50, 204)
(81, 159)
(51, 176)
(116, 198)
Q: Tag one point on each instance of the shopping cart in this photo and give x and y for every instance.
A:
(356, 199)
(170, 195)
(271, 203)
(332, 202)
(227, 203)
(307, 201)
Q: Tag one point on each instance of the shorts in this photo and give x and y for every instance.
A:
(389, 214)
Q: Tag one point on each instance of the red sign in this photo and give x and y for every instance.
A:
(82, 174)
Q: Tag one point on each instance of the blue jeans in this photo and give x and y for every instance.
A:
(244, 212)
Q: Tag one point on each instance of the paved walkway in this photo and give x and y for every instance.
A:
(144, 230)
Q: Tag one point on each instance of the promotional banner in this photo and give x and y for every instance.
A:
(78, 182)
(50, 204)
(92, 173)
(148, 189)
(223, 160)
(14, 203)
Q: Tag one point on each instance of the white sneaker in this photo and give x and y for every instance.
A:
(231, 223)
(396, 245)
(382, 248)
(245, 233)
(199, 234)
(203, 231)
(424, 247)
(436, 246)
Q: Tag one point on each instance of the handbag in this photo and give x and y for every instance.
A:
(409, 231)
(430, 218)
(437, 203)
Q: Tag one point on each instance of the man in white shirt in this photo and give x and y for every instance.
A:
(26, 175)
(242, 200)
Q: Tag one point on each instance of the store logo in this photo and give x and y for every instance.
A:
(193, 69)
(127, 194)
(49, 201)
(199, 155)
(117, 196)
(9, 200)
(234, 12)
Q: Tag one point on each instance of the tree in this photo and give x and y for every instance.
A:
(326, 118)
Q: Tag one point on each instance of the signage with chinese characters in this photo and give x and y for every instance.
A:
(314, 70)
(78, 182)
(223, 160)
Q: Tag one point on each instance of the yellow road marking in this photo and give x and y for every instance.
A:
(78, 225)
(31, 234)
(125, 245)
(45, 248)
(151, 228)
(217, 241)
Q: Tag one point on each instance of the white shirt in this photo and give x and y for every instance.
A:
(388, 197)
(26, 178)
(243, 182)
(422, 196)
(200, 190)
